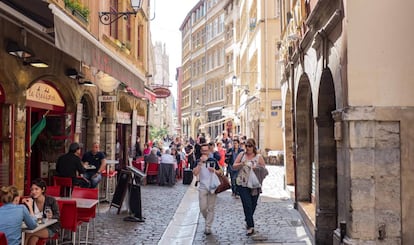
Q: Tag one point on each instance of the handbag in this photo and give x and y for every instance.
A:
(253, 181)
(224, 183)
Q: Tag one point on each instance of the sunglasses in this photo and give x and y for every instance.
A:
(249, 145)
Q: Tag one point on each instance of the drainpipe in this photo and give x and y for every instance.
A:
(293, 112)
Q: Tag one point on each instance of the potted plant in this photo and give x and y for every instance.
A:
(77, 9)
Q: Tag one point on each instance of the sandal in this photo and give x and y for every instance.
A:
(250, 231)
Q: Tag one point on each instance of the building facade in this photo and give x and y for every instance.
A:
(49, 54)
(346, 114)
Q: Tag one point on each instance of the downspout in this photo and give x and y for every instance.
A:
(293, 111)
(266, 68)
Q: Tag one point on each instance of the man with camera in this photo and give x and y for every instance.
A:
(207, 201)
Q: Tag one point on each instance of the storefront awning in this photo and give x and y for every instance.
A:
(249, 100)
(149, 95)
(221, 120)
(74, 40)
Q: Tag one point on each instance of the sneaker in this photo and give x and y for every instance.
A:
(207, 231)
(250, 231)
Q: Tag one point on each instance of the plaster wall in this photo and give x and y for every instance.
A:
(380, 53)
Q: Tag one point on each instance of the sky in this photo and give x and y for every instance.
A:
(165, 27)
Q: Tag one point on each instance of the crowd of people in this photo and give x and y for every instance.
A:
(235, 157)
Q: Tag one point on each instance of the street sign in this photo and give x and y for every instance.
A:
(107, 98)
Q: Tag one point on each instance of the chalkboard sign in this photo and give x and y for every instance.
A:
(120, 191)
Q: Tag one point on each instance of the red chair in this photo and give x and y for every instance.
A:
(3, 239)
(152, 170)
(42, 241)
(53, 190)
(69, 217)
(109, 177)
(65, 183)
(86, 214)
(138, 163)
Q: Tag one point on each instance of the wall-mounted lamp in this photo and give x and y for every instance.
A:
(86, 83)
(235, 84)
(21, 52)
(35, 63)
(108, 18)
(197, 101)
(74, 74)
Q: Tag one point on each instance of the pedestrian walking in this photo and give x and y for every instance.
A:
(246, 163)
(231, 157)
(204, 170)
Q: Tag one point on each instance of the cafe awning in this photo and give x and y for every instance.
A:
(212, 123)
(148, 94)
(74, 40)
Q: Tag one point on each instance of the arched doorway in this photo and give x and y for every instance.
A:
(49, 129)
(326, 168)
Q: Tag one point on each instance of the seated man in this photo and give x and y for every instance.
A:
(168, 164)
(151, 158)
(97, 159)
(70, 165)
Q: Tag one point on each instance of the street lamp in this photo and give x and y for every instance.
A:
(110, 17)
(234, 83)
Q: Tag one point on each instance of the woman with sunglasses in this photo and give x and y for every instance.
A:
(245, 162)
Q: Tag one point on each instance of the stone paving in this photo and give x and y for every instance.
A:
(275, 219)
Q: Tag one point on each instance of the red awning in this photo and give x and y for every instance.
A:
(149, 95)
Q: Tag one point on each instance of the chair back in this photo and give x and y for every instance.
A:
(88, 193)
(53, 190)
(152, 169)
(85, 214)
(3, 239)
(63, 182)
(68, 214)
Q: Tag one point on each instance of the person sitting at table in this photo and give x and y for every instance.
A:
(151, 158)
(168, 164)
(70, 165)
(12, 215)
(96, 158)
(43, 206)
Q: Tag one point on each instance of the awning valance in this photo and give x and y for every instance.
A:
(249, 100)
(74, 40)
(151, 96)
(221, 120)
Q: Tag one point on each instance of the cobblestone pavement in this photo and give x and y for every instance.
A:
(275, 219)
(158, 206)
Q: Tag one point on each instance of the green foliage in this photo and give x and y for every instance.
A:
(157, 134)
(76, 5)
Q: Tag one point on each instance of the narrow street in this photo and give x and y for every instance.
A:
(172, 217)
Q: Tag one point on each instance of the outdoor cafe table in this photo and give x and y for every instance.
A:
(40, 226)
(80, 202)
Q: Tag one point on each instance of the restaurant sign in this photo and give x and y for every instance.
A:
(44, 93)
(123, 117)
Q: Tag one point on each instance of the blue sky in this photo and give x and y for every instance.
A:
(169, 16)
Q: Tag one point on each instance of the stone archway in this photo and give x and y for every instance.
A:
(325, 160)
(304, 140)
(288, 139)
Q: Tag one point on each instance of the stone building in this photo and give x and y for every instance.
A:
(50, 51)
(348, 108)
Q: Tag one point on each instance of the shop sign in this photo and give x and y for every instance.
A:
(140, 120)
(107, 98)
(44, 93)
(123, 117)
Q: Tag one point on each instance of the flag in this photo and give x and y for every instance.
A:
(37, 129)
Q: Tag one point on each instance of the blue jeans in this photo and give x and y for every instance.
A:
(233, 177)
(92, 178)
(249, 204)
